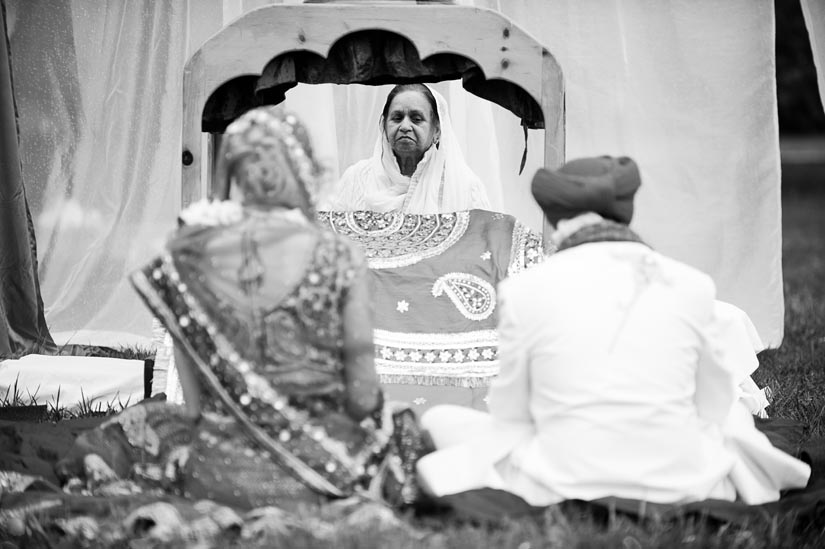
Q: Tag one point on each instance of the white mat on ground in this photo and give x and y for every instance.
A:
(94, 380)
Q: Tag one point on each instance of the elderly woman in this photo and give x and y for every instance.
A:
(416, 167)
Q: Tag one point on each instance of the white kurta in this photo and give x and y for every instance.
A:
(616, 380)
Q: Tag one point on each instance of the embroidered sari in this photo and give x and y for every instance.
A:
(432, 280)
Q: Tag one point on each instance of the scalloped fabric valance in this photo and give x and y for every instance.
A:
(371, 57)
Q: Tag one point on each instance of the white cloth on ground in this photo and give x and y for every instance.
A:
(73, 382)
(740, 336)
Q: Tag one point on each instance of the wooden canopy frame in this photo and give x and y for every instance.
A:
(495, 44)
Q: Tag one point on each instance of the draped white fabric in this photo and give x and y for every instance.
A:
(98, 88)
(814, 13)
(686, 88)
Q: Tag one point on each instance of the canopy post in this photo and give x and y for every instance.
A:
(553, 106)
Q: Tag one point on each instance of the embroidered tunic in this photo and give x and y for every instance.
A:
(432, 281)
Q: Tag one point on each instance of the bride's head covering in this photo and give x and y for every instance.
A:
(267, 156)
(442, 182)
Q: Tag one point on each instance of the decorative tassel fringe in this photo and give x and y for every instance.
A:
(466, 382)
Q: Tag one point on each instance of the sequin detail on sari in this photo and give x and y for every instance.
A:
(527, 249)
(295, 427)
(466, 359)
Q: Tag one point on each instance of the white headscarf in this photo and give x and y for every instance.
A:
(442, 182)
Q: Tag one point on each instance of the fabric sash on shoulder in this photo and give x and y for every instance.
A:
(327, 467)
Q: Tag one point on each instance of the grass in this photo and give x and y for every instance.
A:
(795, 373)
(14, 405)
(129, 353)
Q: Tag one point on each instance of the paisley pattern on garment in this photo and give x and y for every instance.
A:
(394, 239)
(422, 336)
(473, 296)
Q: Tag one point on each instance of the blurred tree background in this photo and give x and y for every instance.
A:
(800, 109)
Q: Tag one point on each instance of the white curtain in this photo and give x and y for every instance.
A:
(814, 13)
(98, 88)
(686, 87)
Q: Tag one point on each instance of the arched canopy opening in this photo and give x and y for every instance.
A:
(371, 57)
(258, 57)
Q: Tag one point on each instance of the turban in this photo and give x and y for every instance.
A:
(604, 185)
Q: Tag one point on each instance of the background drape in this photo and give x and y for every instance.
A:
(98, 87)
(686, 87)
(22, 323)
(814, 13)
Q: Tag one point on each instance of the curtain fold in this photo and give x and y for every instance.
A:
(687, 88)
(22, 321)
(814, 13)
(99, 92)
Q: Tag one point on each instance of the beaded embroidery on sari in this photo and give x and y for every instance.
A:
(292, 402)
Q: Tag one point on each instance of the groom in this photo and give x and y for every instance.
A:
(616, 377)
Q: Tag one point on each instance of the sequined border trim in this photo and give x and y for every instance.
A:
(526, 249)
(394, 239)
(259, 387)
(474, 297)
(467, 359)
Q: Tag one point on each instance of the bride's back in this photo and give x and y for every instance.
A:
(276, 285)
(284, 250)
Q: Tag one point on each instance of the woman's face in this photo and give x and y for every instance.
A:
(410, 125)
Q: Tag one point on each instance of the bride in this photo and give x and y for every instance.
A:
(273, 344)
